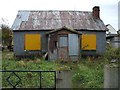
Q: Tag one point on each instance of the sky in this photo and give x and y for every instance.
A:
(108, 8)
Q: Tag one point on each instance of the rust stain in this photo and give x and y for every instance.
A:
(44, 20)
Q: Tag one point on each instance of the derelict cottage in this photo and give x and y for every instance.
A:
(62, 34)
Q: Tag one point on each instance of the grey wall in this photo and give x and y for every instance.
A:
(115, 42)
(111, 76)
(64, 79)
(101, 42)
(19, 42)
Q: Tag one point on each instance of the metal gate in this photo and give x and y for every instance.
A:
(15, 74)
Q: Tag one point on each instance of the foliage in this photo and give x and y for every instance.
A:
(88, 75)
(85, 74)
(6, 35)
(28, 79)
(112, 53)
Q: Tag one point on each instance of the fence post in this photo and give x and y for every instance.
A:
(0, 65)
(64, 79)
(111, 76)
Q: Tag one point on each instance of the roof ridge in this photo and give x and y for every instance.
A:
(51, 11)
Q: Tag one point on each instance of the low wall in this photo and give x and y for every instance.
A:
(111, 76)
(64, 79)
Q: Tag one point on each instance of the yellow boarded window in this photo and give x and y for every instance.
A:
(32, 42)
(88, 42)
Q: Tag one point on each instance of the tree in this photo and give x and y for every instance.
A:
(6, 35)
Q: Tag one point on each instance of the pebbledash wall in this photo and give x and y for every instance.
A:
(100, 43)
(19, 47)
(20, 42)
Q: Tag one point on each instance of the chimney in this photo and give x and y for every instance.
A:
(96, 12)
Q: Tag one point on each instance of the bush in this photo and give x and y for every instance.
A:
(112, 53)
(6, 35)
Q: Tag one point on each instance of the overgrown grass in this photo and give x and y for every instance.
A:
(28, 79)
(112, 53)
(87, 73)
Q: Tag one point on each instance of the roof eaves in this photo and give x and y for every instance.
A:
(91, 30)
(66, 28)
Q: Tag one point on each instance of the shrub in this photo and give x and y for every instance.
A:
(112, 53)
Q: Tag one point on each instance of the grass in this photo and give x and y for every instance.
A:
(87, 73)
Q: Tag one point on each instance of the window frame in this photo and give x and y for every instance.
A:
(38, 46)
(92, 38)
(66, 41)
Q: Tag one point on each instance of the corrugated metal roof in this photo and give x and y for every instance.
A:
(111, 30)
(44, 20)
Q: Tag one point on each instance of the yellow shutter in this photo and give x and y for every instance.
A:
(32, 42)
(88, 42)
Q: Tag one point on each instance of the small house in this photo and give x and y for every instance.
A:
(113, 37)
(61, 34)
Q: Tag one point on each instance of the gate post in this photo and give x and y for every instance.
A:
(64, 79)
(111, 76)
(0, 66)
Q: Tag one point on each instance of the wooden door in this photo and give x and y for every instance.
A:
(63, 47)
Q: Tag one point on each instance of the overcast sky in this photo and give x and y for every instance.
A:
(108, 8)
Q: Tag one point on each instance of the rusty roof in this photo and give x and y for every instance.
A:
(49, 20)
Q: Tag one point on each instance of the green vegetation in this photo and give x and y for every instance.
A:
(112, 53)
(6, 35)
(29, 79)
(87, 73)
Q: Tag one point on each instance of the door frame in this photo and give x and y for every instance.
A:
(63, 35)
